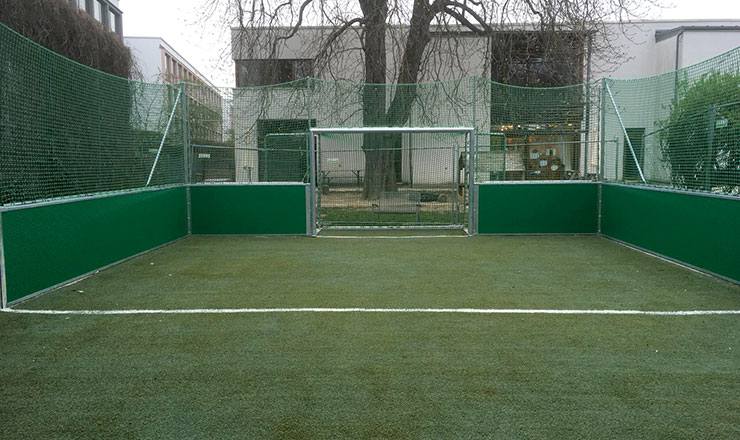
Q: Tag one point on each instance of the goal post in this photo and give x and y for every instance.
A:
(392, 177)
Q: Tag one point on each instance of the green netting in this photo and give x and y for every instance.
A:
(285, 158)
(402, 178)
(66, 129)
(683, 127)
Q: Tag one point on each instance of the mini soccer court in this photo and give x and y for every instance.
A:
(391, 336)
(509, 262)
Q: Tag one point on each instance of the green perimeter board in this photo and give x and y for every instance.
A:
(47, 245)
(248, 209)
(700, 230)
(538, 208)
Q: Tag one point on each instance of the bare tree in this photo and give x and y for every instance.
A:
(410, 33)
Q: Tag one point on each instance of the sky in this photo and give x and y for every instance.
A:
(206, 47)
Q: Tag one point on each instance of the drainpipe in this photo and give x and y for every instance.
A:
(679, 38)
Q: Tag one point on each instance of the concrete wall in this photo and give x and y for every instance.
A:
(643, 56)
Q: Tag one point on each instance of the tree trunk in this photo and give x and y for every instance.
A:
(377, 159)
(380, 172)
(380, 166)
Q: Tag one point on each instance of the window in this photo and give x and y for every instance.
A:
(266, 72)
(528, 59)
(82, 4)
(167, 64)
(98, 11)
(111, 20)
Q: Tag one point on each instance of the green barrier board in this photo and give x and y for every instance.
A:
(47, 245)
(538, 208)
(694, 228)
(248, 209)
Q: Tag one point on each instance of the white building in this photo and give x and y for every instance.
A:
(161, 63)
(158, 62)
(654, 47)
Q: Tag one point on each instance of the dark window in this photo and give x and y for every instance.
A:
(529, 59)
(636, 136)
(266, 72)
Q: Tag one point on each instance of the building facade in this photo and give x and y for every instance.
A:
(541, 144)
(106, 12)
(158, 62)
(639, 49)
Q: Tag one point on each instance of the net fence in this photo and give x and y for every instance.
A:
(67, 130)
(679, 129)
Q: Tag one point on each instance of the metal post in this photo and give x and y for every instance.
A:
(3, 283)
(161, 144)
(312, 180)
(186, 151)
(475, 102)
(588, 104)
(308, 102)
(311, 208)
(471, 184)
(710, 147)
(602, 130)
(626, 136)
(587, 123)
(455, 217)
(598, 208)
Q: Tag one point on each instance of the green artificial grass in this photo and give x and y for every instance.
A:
(377, 375)
(369, 376)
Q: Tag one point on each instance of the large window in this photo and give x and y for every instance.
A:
(98, 10)
(265, 72)
(533, 60)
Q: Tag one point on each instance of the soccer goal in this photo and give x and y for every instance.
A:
(392, 177)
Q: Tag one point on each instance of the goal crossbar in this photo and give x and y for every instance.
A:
(392, 130)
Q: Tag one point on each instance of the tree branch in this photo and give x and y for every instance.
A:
(293, 30)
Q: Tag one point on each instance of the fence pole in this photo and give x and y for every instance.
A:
(312, 180)
(710, 147)
(3, 283)
(602, 129)
(626, 136)
(161, 144)
(186, 148)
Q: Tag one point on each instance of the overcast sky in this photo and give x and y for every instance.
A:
(176, 21)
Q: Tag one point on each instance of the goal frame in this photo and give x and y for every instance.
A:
(469, 132)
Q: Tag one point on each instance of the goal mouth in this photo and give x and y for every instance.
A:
(391, 177)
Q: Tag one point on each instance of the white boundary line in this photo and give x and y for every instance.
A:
(375, 310)
(389, 236)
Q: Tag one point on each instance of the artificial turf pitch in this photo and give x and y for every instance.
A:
(377, 375)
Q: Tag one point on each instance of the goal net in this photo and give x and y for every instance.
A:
(391, 177)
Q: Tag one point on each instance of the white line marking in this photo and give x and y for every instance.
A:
(390, 236)
(375, 310)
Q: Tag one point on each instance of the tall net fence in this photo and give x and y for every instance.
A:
(68, 130)
(680, 129)
(539, 133)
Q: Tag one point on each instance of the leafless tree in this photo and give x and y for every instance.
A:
(413, 34)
